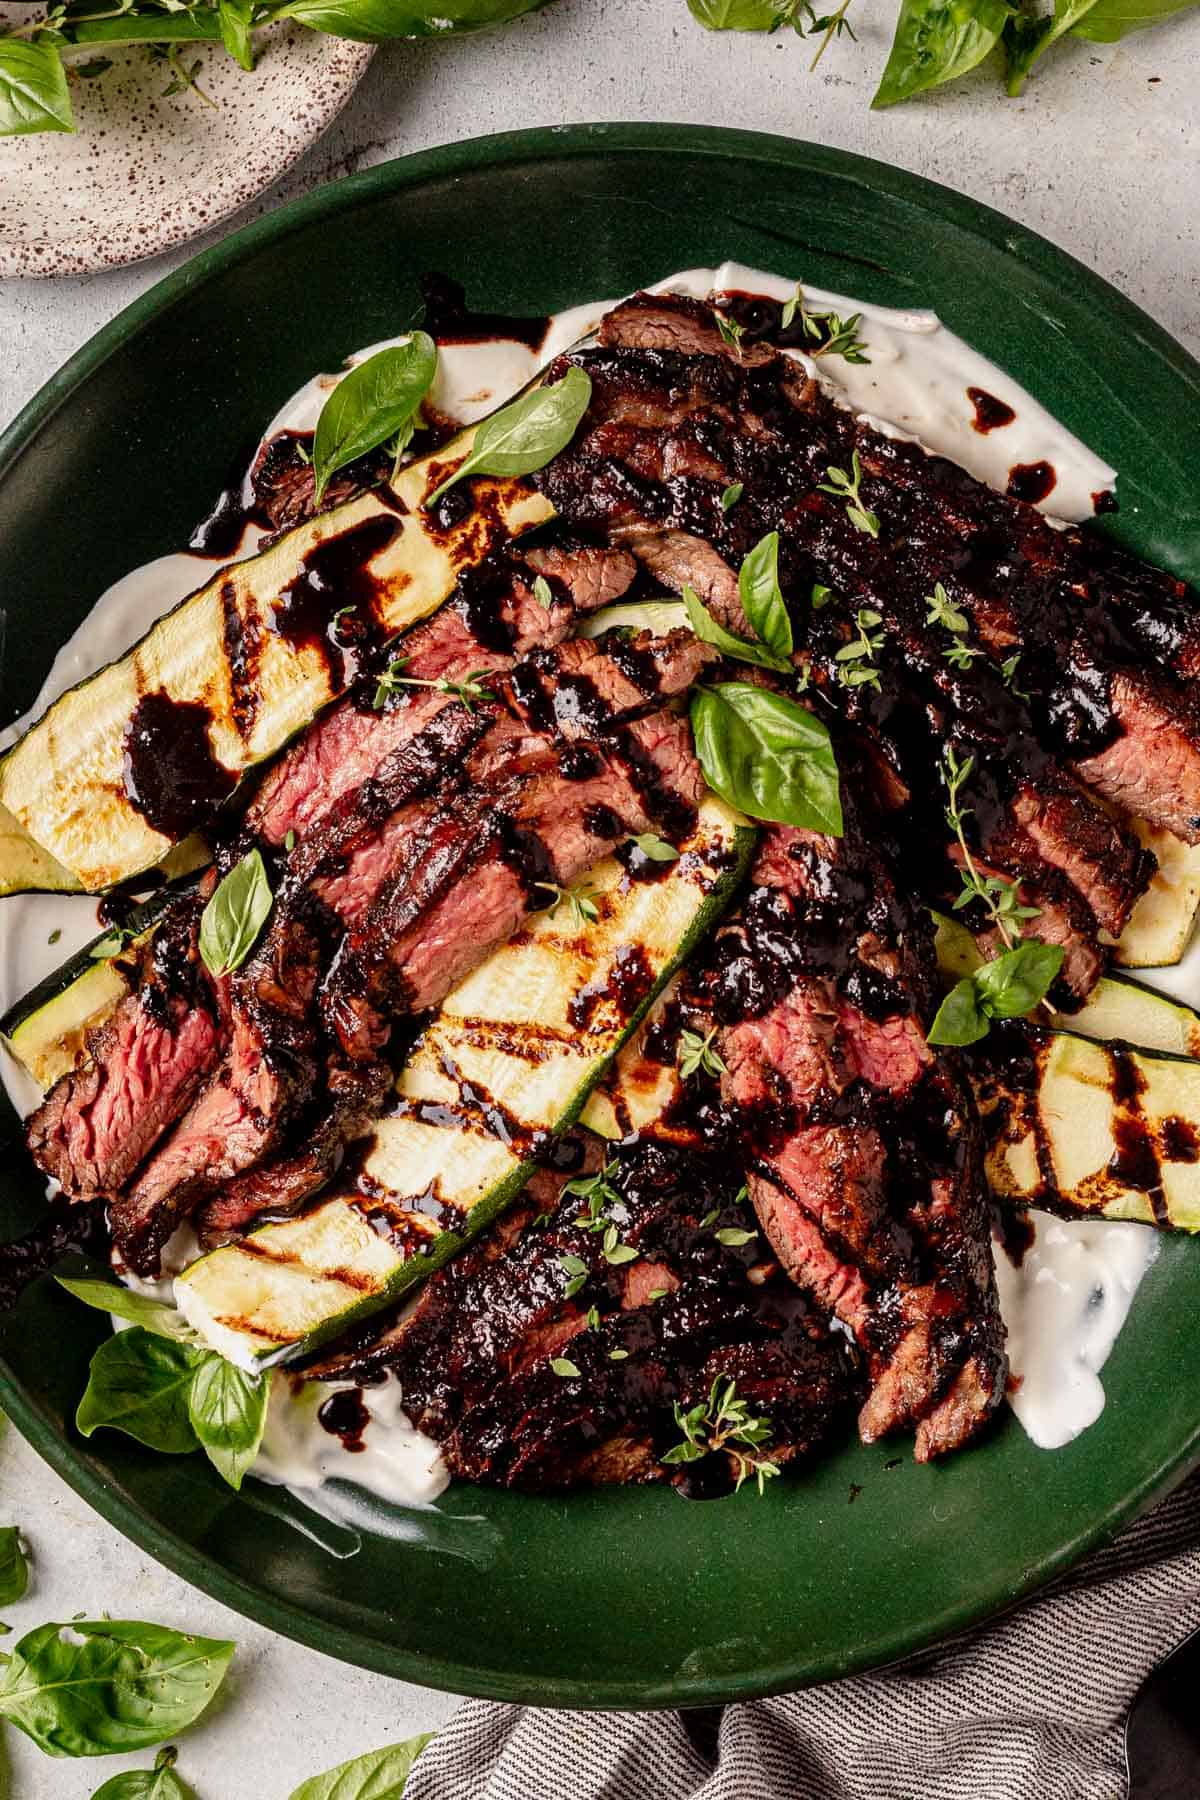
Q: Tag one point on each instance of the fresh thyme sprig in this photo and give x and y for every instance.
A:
(724, 1422)
(830, 24)
(1008, 674)
(940, 610)
(598, 1194)
(470, 690)
(1000, 898)
(697, 1056)
(832, 335)
(848, 488)
(580, 901)
(856, 660)
(731, 332)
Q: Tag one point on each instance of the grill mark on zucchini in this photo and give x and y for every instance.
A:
(243, 645)
(1135, 1160)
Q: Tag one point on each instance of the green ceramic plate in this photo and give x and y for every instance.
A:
(619, 1598)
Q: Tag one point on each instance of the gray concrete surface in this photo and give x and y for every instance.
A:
(1101, 156)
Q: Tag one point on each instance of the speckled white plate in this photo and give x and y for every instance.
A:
(144, 170)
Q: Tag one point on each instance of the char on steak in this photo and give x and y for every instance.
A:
(862, 1144)
(475, 1356)
(670, 427)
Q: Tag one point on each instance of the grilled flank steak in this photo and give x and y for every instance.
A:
(806, 1214)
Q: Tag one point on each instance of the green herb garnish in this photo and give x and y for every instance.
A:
(378, 399)
(524, 435)
(234, 916)
(1006, 988)
(848, 488)
(724, 1422)
(697, 1056)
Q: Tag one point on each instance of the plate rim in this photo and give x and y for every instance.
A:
(68, 1459)
(96, 248)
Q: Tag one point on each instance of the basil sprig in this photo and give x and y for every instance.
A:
(764, 607)
(14, 1569)
(372, 404)
(527, 433)
(234, 916)
(767, 756)
(373, 21)
(1006, 988)
(159, 1783)
(157, 1384)
(379, 1775)
(98, 1687)
(33, 89)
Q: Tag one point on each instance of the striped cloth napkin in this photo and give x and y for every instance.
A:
(1030, 1708)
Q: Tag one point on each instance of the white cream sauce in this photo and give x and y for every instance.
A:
(1063, 1308)
(914, 385)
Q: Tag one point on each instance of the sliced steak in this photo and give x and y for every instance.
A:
(98, 1124)
(263, 1081)
(862, 1143)
(495, 617)
(347, 1102)
(474, 1356)
(578, 752)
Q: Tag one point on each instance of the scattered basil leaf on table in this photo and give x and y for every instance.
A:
(1109, 20)
(235, 18)
(379, 1775)
(739, 649)
(101, 1686)
(371, 21)
(234, 916)
(33, 89)
(767, 756)
(159, 1783)
(527, 433)
(740, 15)
(937, 40)
(375, 401)
(228, 1411)
(762, 602)
(123, 1303)
(139, 1384)
(1006, 988)
(14, 1569)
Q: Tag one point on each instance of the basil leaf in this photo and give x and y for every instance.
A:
(14, 1570)
(371, 404)
(233, 16)
(936, 41)
(1027, 36)
(767, 756)
(740, 15)
(379, 1775)
(959, 1019)
(105, 1685)
(762, 602)
(1014, 983)
(139, 1384)
(33, 89)
(709, 631)
(159, 1783)
(370, 21)
(234, 916)
(1109, 20)
(228, 1410)
(123, 1303)
(524, 435)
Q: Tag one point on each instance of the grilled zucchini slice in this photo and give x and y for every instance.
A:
(1094, 1130)
(506, 1065)
(249, 683)
(1161, 923)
